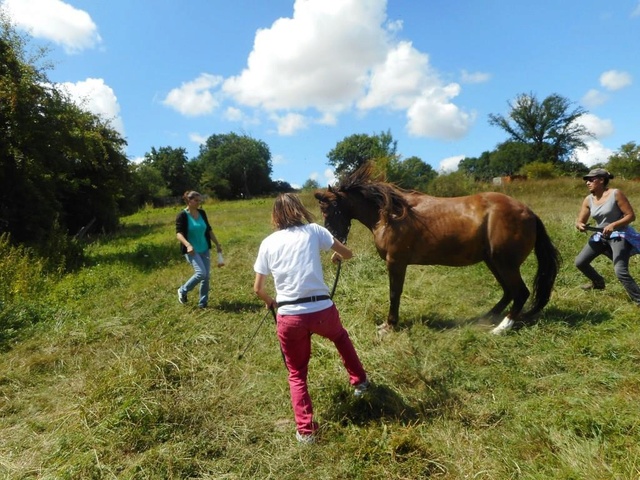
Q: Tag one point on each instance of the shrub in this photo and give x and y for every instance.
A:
(539, 170)
(451, 185)
(20, 271)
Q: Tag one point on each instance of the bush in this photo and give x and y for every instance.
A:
(539, 170)
(21, 284)
(20, 272)
(454, 184)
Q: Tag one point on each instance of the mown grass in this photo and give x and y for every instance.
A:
(110, 377)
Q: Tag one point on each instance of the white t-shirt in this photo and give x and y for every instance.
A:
(292, 256)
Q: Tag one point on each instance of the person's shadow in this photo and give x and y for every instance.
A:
(378, 402)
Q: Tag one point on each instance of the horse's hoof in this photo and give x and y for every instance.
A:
(503, 327)
(384, 329)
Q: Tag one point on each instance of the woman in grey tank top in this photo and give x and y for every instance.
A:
(612, 212)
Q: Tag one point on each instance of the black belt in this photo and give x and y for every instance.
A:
(315, 298)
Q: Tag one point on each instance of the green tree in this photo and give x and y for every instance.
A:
(147, 185)
(550, 126)
(626, 161)
(477, 168)
(311, 184)
(172, 165)
(509, 158)
(53, 154)
(281, 186)
(411, 173)
(355, 150)
(234, 166)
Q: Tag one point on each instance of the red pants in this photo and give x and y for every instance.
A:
(294, 332)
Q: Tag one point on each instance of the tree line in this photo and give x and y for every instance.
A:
(64, 170)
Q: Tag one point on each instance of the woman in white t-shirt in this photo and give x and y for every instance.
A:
(292, 256)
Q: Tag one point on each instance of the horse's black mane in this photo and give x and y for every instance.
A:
(386, 196)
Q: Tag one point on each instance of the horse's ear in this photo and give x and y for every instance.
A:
(319, 195)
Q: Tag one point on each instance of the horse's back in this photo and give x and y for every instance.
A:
(464, 230)
(476, 208)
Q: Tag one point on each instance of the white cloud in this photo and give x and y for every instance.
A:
(474, 77)
(290, 123)
(196, 97)
(234, 114)
(405, 81)
(434, 116)
(318, 59)
(327, 119)
(334, 56)
(197, 138)
(55, 21)
(601, 128)
(636, 11)
(330, 177)
(400, 79)
(594, 98)
(95, 96)
(450, 164)
(595, 153)
(615, 80)
(279, 159)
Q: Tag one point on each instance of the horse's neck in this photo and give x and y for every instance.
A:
(366, 213)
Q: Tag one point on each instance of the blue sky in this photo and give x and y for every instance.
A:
(301, 75)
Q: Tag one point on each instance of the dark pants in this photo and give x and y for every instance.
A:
(619, 251)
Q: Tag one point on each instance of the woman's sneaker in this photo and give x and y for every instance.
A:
(361, 388)
(182, 297)
(593, 286)
(306, 439)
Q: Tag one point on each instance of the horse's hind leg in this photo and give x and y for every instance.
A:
(515, 288)
(499, 307)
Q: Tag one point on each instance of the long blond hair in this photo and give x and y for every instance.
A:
(288, 211)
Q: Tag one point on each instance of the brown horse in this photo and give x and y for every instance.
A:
(414, 228)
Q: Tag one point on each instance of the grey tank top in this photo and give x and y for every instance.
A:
(605, 213)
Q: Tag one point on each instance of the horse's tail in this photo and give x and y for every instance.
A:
(549, 261)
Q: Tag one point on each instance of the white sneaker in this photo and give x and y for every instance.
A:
(306, 439)
(360, 389)
(182, 297)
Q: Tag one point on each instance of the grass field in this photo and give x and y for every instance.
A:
(104, 375)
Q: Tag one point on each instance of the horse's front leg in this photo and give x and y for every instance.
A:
(397, 272)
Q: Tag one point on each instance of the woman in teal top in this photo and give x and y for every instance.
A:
(196, 236)
(613, 213)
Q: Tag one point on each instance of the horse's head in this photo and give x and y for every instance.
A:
(335, 212)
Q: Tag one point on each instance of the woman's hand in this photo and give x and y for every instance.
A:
(608, 230)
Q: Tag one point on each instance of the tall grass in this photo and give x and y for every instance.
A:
(116, 379)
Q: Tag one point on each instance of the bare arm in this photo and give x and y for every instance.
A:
(341, 252)
(583, 215)
(628, 215)
(259, 289)
(215, 241)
